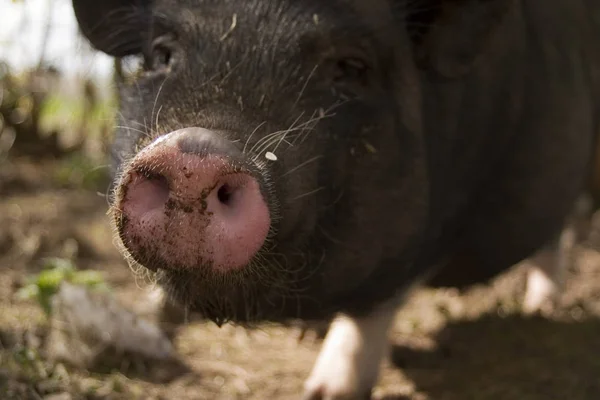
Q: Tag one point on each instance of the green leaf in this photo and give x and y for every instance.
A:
(88, 278)
(51, 279)
(27, 292)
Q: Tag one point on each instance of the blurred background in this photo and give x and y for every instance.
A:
(54, 85)
(70, 307)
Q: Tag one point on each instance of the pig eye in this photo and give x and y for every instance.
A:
(160, 57)
(351, 69)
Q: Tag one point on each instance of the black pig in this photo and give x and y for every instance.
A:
(284, 159)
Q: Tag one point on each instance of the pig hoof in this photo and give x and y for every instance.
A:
(335, 379)
(540, 293)
(333, 389)
(348, 364)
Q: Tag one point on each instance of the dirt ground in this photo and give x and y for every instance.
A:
(445, 345)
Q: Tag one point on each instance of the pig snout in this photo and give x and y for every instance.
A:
(189, 201)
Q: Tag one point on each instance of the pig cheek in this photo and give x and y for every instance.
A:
(297, 194)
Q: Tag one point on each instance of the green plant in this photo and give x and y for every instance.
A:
(46, 284)
(77, 170)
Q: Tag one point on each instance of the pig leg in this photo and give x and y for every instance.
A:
(545, 278)
(349, 362)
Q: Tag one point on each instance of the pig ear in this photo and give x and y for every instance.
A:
(450, 36)
(115, 27)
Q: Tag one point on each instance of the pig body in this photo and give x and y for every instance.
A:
(295, 159)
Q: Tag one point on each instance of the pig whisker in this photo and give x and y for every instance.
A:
(263, 271)
(328, 236)
(156, 101)
(274, 138)
(250, 136)
(106, 196)
(278, 136)
(140, 96)
(322, 115)
(311, 123)
(286, 132)
(133, 122)
(335, 201)
(148, 129)
(156, 119)
(264, 275)
(209, 80)
(269, 257)
(296, 293)
(297, 167)
(145, 133)
(308, 126)
(265, 145)
(230, 72)
(262, 140)
(308, 193)
(305, 85)
(138, 270)
(316, 116)
(148, 279)
(311, 271)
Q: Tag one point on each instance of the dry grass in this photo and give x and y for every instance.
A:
(445, 345)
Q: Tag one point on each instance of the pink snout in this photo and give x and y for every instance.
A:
(184, 204)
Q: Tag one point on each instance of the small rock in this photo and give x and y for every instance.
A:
(58, 396)
(86, 324)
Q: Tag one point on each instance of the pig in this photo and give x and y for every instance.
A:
(315, 160)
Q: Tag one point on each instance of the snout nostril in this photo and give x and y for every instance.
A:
(146, 192)
(158, 179)
(224, 194)
(159, 182)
